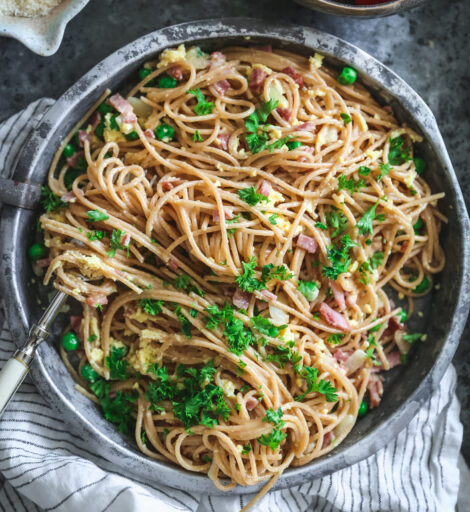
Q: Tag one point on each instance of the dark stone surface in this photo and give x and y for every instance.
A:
(428, 47)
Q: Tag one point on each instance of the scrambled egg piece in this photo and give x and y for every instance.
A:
(275, 197)
(276, 92)
(171, 55)
(317, 60)
(326, 135)
(97, 355)
(274, 132)
(283, 223)
(149, 349)
(288, 335)
(373, 155)
(410, 177)
(139, 315)
(228, 387)
(109, 134)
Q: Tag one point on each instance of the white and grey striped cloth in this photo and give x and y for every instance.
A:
(45, 467)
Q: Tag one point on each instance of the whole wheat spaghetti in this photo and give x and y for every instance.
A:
(229, 230)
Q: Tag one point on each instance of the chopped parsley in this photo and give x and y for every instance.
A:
(284, 354)
(49, 201)
(275, 438)
(279, 272)
(92, 338)
(411, 338)
(420, 165)
(350, 184)
(309, 289)
(265, 326)
(116, 364)
(376, 260)
(398, 154)
(364, 171)
(96, 216)
(181, 282)
(417, 226)
(339, 257)
(249, 282)
(364, 224)
(250, 196)
(402, 316)
(334, 339)
(203, 107)
(246, 449)
(272, 219)
(310, 374)
(115, 243)
(337, 220)
(185, 323)
(151, 306)
(320, 225)
(346, 118)
(197, 137)
(95, 235)
(384, 170)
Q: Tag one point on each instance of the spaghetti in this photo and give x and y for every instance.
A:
(229, 229)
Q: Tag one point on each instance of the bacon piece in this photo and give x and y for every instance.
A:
(217, 58)
(334, 318)
(264, 48)
(341, 355)
(69, 197)
(83, 136)
(265, 188)
(222, 86)
(44, 262)
(120, 104)
(76, 325)
(97, 299)
(175, 72)
(297, 77)
(394, 358)
(173, 264)
(129, 118)
(285, 113)
(307, 243)
(404, 247)
(241, 299)
(338, 294)
(125, 239)
(268, 295)
(223, 141)
(394, 325)
(376, 389)
(171, 183)
(72, 161)
(149, 133)
(257, 78)
(228, 213)
(95, 121)
(251, 403)
(308, 127)
(327, 439)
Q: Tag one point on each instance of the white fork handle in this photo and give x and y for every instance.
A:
(11, 377)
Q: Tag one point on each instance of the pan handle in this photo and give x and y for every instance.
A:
(22, 195)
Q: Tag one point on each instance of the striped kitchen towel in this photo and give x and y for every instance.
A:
(44, 466)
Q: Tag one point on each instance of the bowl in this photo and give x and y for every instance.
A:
(42, 34)
(407, 387)
(344, 8)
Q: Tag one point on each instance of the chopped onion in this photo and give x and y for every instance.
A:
(355, 361)
(278, 316)
(141, 109)
(402, 344)
(344, 426)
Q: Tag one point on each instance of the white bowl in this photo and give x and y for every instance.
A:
(43, 34)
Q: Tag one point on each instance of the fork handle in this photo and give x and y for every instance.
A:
(12, 375)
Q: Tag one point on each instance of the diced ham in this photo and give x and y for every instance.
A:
(262, 305)
(264, 48)
(222, 86)
(125, 239)
(338, 294)
(217, 58)
(44, 262)
(341, 355)
(268, 295)
(72, 161)
(129, 118)
(394, 325)
(173, 264)
(285, 113)
(394, 358)
(95, 121)
(265, 188)
(334, 318)
(241, 299)
(171, 183)
(257, 78)
(176, 72)
(251, 403)
(69, 197)
(97, 299)
(376, 389)
(308, 127)
(223, 140)
(307, 243)
(228, 213)
(297, 77)
(83, 136)
(327, 439)
(149, 133)
(404, 247)
(120, 104)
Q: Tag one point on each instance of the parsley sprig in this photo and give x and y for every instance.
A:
(338, 255)
(310, 374)
(49, 201)
(203, 107)
(275, 438)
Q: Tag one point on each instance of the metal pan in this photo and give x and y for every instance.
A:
(377, 10)
(445, 312)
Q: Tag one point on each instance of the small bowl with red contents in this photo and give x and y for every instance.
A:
(361, 8)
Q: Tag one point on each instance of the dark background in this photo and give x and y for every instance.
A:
(428, 47)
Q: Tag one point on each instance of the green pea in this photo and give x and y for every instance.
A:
(422, 286)
(37, 252)
(70, 341)
(362, 409)
(293, 144)
(167, 82)
(144, 73)
(132, 136)
(89, 373)
(69, 150)
(164, 132)
(347, 76)
(104, 109)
